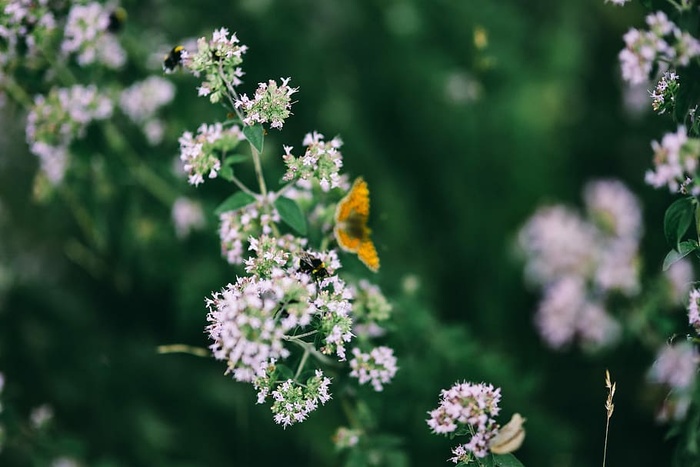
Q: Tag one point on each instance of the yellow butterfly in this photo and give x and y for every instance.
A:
(351, 229)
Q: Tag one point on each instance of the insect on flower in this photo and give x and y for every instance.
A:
(117, 19)
(173, 59)
(351, 229)
(309, 264)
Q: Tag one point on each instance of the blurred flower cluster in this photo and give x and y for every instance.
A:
(579, 262)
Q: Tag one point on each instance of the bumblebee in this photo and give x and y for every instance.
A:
(313, 266)
(173, 59)
(117, 18)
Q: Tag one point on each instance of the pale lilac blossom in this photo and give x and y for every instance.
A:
(472, 406)
(377, 367)
(270, 104)
(143, 99)
(293, 402)
(694, 309)
(86, 36)
(187, 215)
(200, 153)
(679, 277)
(675, 366)
(322, 161)
(675, 162)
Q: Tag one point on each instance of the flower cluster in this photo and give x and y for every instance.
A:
(271, 103)
(218, 60)
(467, 408)
(237, 226)
(293, 402)
(377, 367)
(675, 367)
(664, 94)
(55, 120)
(345, 437)
(675, 163)
(694, 309)
(290, 307)
(141, 101)
(579, 262)
(87, 36)
(25, 26)
(201, 153)
(663, 44)
(322, 161)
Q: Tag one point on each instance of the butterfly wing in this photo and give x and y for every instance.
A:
(368, 255)
(351, 231)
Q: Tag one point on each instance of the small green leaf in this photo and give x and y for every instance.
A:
(291, 214)
(684, 249)
(235, 201)
(255, 136)
(235, 159)
(226, 172)
(506, 460)
(678, 218)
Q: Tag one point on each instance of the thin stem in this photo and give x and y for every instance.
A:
(258, 171)
(605, 445)
(349, 413)
(242, 186)
(17, 92)
(183, 348)
(299, 336)
(82, 217)
(302, 363)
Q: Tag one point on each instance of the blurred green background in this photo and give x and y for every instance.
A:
(459, 139)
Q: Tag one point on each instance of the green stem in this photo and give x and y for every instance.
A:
(17, 92)
(302, 363)
(183, 348)
(82, 217)
(347, 410)
(242, 186)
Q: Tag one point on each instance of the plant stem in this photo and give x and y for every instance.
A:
(183, 348)
(242, 186)
(302, 363)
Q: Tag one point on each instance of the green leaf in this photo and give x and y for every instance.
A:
(291, 214)
(678, 218)
(684, 249)
(235, 201)
(255, 136)
(226, 172)
(235, 159)
(506, 460)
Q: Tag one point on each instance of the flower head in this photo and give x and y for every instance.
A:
(200, 153)
(218, 60)
(293, 402)
(377, 367)
(472, 406)
(271, 103)
(187, 216)
(321, 161)
(86, 35)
